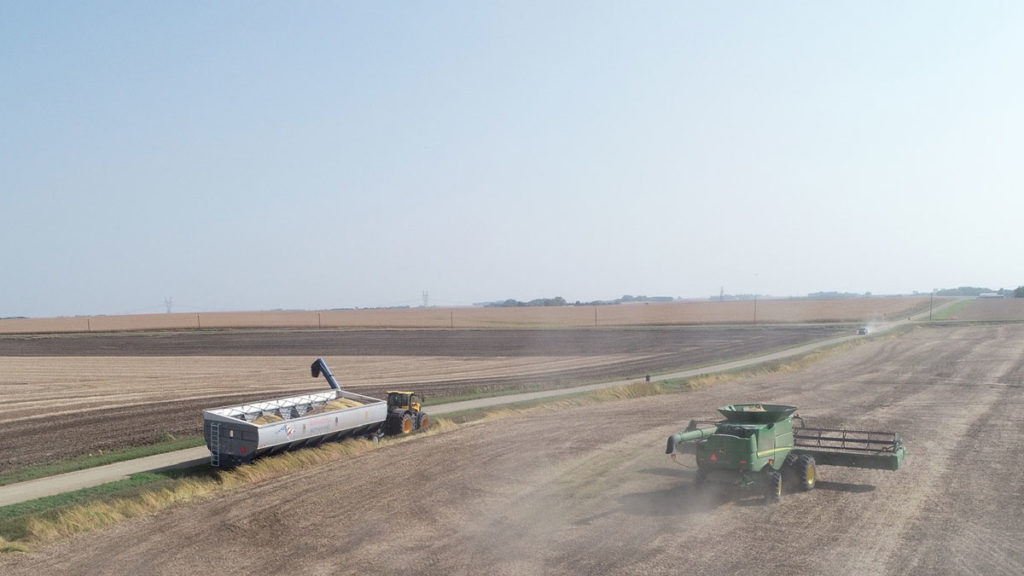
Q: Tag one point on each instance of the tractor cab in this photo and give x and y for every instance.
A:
(404, 401)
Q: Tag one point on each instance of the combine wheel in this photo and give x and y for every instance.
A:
(422, 421)
(773, 480)
(407, 423)
(806, 472)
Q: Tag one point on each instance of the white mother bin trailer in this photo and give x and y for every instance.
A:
(238, 434)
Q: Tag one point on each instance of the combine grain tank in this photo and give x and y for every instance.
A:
(237, 434)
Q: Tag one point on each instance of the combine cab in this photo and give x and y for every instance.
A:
(758, 445)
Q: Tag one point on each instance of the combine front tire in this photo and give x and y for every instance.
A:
(422, 421)
(407, 423)
(806, 472)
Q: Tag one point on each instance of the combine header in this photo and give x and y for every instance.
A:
(756, 444)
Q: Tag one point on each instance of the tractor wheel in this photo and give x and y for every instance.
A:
(806, 472)
(407, 423)
(422, 421)
(773, 480)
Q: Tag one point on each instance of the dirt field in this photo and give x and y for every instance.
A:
(649, 314)
(589, 490)
(986, 309)
(110, 391)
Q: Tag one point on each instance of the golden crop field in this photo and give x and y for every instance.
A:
(639, 314)
(51, 386)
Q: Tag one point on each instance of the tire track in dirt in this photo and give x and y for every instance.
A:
(963, 528)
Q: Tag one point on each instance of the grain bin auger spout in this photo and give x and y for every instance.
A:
(320, 367)
(757, 445)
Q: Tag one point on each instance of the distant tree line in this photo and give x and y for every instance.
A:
(831, 295)
(977, 291)
(732, 297)
(628, 298)
(559, 301)
(971, 291)
(511, 303)
(812, 296)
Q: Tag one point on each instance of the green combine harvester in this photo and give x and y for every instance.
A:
(757, 444)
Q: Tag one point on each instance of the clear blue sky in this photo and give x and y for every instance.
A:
(252, 155)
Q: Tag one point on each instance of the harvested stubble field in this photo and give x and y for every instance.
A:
(588, 489)
(117, 390)
(990, 309)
